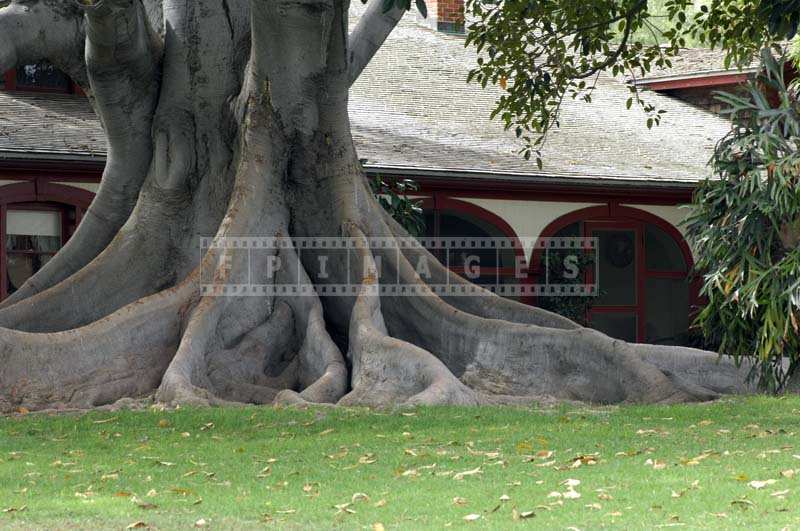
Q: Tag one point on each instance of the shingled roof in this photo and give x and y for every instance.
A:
(413, 107)
(42, 124)
(413, 111)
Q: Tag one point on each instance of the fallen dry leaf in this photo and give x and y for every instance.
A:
(761, 484)
(472, 517)
(656, 464)
(143, 504)
(466, 473)
(137, 525)
(344, 508)
(377, 526)
(458, 500)
(743, 503)
(521, 515)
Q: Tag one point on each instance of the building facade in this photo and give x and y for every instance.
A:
(605, 174)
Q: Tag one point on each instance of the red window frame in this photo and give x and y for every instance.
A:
(65, 223)
(638, 308)
(615, 216)
(439, 202)
(44, 195)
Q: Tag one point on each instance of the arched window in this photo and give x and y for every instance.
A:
(449, 218)
(642, 274)
(36, 220)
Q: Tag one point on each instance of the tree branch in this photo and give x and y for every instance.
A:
(611, 59)
(48, 29)
(368, 36)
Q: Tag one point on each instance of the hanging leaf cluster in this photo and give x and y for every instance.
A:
(745, 228)
(540, 52)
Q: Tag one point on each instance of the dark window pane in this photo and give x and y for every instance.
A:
(662, 252)
(22, 266)
(430, 223)
(22, 242)
(454, 224)
(43, 75)
(616, 253)
(570, 231)
(617, 325)
(667, 310)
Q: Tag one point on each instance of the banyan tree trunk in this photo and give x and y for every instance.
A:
(228, 119)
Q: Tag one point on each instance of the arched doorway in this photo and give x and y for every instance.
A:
(446, 217)
(643, 267)
(36, 220)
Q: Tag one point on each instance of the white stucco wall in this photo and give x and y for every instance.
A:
(672, 213)
(527, 218)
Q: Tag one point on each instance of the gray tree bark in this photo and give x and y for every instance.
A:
(230, 118)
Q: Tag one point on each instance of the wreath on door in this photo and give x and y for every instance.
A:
(620, 250)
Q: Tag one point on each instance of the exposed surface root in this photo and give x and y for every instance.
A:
(122, 355)
(130, 268)
(501, 357)
(484, 303)
(321, 372)
(387, 370)
(263, 362)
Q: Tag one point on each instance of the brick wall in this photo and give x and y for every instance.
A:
(446, 15)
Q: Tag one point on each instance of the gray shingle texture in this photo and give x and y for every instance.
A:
(53, 124)
(412, 108)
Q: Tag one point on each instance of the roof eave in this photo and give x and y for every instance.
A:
(549, 179)
(709, 78)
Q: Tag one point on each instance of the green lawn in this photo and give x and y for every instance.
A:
(728, 464)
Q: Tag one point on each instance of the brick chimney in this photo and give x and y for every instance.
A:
(446, 16)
